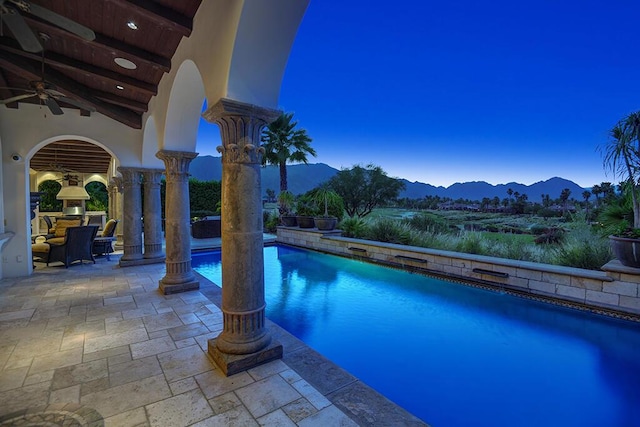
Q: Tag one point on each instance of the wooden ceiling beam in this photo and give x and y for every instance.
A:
(139, 107)
(158, 14)
(65, 63)
(115, 47)
(31, 70)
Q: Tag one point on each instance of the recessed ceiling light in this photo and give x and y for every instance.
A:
(132, 25)
(119, 87)
(125, 63)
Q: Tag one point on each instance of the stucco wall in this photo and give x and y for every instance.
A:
(616, 291)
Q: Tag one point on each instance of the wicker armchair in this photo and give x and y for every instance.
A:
(76, 246)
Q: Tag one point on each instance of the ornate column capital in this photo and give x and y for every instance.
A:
(176, 163)
(152, 176)
(116, 183)
(240, 127)
(130, 176)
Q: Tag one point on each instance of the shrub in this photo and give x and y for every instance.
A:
(471, 243)
(583, 249)
(353, 227)
(551, 235)
(389, 231)
(270, 221)
(426, 222)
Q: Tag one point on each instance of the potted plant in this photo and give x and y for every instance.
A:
(326, 196)
(286, 206)
(306, 210)
(622, 157)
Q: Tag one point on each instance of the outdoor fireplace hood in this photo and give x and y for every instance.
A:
(73, 192)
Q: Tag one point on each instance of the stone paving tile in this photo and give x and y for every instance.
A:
(183, 409)
(44, 376)
(134, 370)
(12, 378)
(152, 347)
(117, 325)
(188, 331)
(14, 315)
(134, 418)
(56, 360)
(214, 383)
(65, 395)
(106, 342)
(182, 386)
(267, 370)
(19, 398)
(311, 394)
(104, 354)
(128, 396)
(329, 416)
(162, 321)
(236, 417)
(224, 402)
(78, 374)
(299, 409)
(276, 419)
(184, 362)
(267, 395)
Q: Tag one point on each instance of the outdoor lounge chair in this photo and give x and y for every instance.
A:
(76, 246)
(103, 243)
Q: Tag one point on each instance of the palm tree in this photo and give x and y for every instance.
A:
(564, 198)
(586, 195)
(622, 157)
(596, 191)
(284, 143)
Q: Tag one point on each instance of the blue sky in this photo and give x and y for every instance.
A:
(459, 90)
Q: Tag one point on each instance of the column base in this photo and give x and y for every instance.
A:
(174, 288)
(140, 261)
(232, 364)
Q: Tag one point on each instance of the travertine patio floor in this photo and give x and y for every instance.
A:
(96, 344)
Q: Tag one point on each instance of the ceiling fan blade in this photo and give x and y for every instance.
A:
(75, 103)
(53, 106)
(17, 98)
(16, 88)
(20, 30)
(62, 22)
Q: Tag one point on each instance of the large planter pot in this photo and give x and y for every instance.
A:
(289, 220)
(626, 250)
(305, 222)
(325, 222)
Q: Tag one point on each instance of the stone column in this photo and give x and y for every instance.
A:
(180, 276)
(244, 341)
(152, 211)
(117, 210)
(132, 209)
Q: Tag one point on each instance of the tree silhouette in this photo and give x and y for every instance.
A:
(283, 144)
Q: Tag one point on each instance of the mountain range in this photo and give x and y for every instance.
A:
(302, 178)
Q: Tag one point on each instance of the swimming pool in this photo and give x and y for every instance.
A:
(451, 354)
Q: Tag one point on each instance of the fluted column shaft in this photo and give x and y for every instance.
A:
(152, 209)
(117, 209)
(243, 302)
(132, 209)
(179, 276)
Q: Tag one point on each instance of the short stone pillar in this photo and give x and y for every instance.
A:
(152, 209)
(179, 276)
(244, 341)
(132, 218)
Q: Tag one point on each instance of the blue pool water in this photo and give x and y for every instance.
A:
(451, 354)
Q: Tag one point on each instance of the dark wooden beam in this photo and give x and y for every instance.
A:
(158, 14)
(123, 102)
(65, 63)
(115, 47)
(31, 70)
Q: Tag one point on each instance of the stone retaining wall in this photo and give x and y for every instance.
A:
(616, 289)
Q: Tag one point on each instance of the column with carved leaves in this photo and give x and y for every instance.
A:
(132, 215)
(179, 276)
(152, 209)
(244, 341)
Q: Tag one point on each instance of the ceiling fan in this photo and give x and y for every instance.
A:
(46, 92)
(10, 14)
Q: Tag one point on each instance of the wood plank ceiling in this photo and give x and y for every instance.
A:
(85, 72)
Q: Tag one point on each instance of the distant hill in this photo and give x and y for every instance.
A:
(303, 178)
